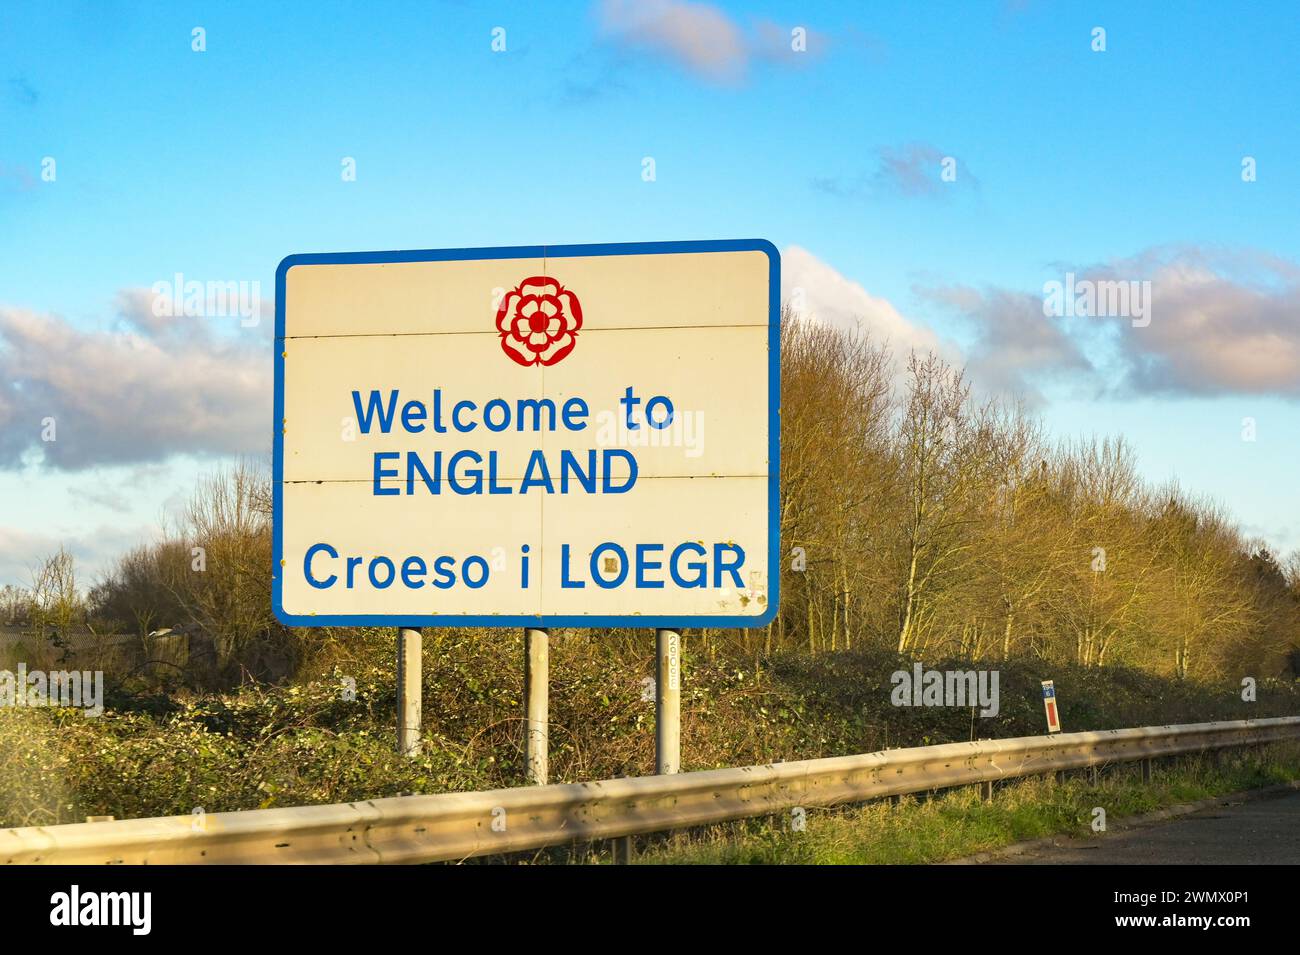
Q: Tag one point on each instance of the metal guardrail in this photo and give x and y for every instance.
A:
(452, 826)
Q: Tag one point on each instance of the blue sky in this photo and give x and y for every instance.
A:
(216, 164)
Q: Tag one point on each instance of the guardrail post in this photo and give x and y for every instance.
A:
(622, 845)
(1146, 769)
(623, 850)
(986, 790)
(410, 647)
(537, 665)
(668, 702)
(1094, 773)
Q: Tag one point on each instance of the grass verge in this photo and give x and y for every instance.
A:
(957, 823)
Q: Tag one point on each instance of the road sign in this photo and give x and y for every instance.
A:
(536, 436)
(1049, 704)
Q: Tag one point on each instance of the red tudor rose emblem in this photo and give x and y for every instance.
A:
(539, 321)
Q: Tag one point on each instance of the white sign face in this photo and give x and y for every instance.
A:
(546, 436)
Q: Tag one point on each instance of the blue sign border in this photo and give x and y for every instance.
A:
(540, 620)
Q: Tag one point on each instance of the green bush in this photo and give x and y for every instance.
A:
(152, 754)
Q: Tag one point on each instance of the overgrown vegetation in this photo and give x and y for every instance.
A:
(330, 737)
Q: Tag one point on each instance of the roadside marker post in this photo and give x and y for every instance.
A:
(1049, 705)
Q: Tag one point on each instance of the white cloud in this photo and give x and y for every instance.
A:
(1014, 344)
(1215, 322)
(94, 552)
(913, 170)
(1220, 323)
(700, 37)
(142, 392)
(832, 299)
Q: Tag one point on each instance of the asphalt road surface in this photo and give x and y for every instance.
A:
(1259, 832)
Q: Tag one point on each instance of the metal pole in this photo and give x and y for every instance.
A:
(622, 845)
(536, 705)
(623, 850)
(668, 702)
(410, 646)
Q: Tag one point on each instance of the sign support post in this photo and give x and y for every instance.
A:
(410, 647)
(668, 702)
(536, 704)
